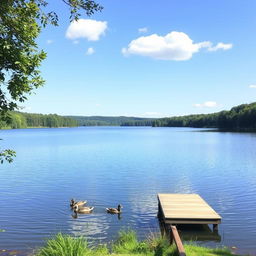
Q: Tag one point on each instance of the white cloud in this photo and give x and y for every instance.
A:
(220, 46)
(152, 114)
(86, 28)
(143, 30)
(252, 86)
(24, 109)
(173, 46)
(49, 41)
(207, 104)
(90, 51)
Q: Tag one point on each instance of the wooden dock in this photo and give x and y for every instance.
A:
(186, 209)
(174, 209)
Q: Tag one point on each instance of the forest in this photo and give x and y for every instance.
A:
(240, 118)
(18, 120)
(112, 121)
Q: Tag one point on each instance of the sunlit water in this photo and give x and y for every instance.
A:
(111, 165)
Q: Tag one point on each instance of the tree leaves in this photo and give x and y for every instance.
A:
(20, 58)
(21, 22)
(7, 155)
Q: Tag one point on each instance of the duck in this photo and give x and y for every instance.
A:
(78, 203)
(115, 210)
(82, 209)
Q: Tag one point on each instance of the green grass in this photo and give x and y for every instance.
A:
(193, 250)
(126, 244)
(65, 245)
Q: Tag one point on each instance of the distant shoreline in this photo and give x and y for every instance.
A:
(207, 129)
(241, 118)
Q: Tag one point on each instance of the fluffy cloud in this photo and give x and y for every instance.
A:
(24, 109)
(207, 104)
(143, 30)
(252, 86)
(220, 46)
(173, 46)
(86, 28)
(49, 41)
(90, 51)
(153, 114)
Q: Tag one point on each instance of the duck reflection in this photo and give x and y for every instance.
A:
(119, 215)
(74, 215)
(94, 225)
(89, 225)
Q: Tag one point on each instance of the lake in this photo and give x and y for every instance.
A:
(111, 165)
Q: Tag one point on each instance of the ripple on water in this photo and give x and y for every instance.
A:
(108, 166)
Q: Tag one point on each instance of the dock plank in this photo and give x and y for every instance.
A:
(179, 208)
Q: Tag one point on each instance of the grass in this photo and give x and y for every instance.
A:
(64, 245)
(126, 244)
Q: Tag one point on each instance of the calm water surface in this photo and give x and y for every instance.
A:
(111, 165)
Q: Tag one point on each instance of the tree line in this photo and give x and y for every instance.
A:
(138, 123)
(112, 121)
(242, 117)
(18, 120)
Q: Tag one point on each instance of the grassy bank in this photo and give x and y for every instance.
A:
(126, 244)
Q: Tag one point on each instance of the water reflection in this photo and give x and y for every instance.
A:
(90, 225)
(95, 225)
(192, 232)
(184, 185)
(16, 252)
(198, 233)
(113, 165)
(118, 215)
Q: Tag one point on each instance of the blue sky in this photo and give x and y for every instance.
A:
(200, 59)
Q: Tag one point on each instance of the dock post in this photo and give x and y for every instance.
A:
(171, 235)
(162, 227)
(176, 238)
(215, 227)
(158, 213)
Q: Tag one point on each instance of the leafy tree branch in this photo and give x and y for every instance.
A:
(21, 22)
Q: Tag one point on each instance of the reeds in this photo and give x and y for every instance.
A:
(126, 244)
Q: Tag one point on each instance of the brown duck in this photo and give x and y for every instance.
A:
(115, 210)
(73, 203)
(82, 209)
